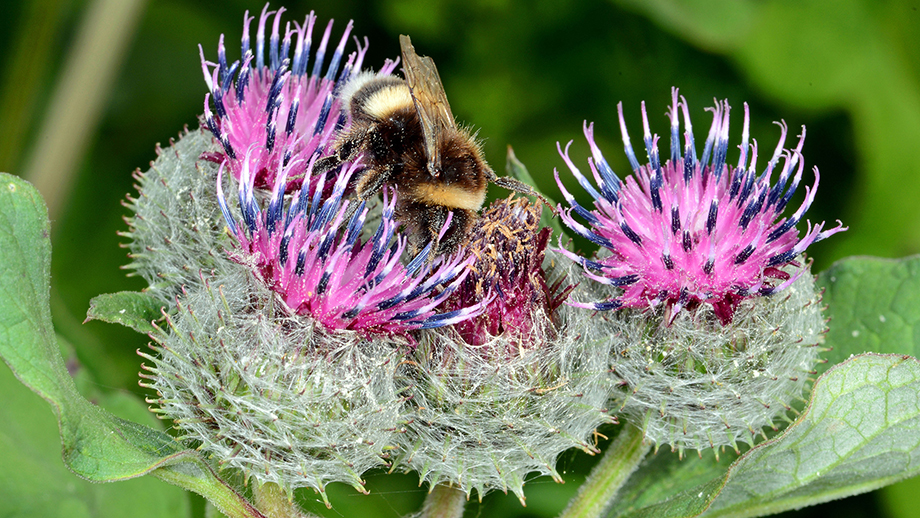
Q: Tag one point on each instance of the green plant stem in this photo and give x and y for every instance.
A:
(618, 463)
(444, 502)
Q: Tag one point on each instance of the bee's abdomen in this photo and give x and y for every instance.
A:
(451, 196)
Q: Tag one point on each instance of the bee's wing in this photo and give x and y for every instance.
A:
(429, 98)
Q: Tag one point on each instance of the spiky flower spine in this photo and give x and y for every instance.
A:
(273, 395)
(697, 384)
(176, 228)
(485, 415)
(273, 111)
(691, 231)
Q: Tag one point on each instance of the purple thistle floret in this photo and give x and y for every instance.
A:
(692, 231)
(322, 268)
(292, 115)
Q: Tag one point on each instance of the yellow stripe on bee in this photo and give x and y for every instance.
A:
(450, 196)
(385, 101)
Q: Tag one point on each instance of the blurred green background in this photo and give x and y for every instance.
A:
(87, 88)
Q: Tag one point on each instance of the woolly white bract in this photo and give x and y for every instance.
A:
(696, 384)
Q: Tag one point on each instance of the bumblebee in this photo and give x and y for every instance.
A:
(407, 136)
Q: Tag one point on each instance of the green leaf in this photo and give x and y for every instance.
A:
(96, 445)
(664, 474)
(41, 483)
(129, 308)
(874, 306)
(859, 432)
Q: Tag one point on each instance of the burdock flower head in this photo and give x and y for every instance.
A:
(499, 396)
(289, 113)
(322, 267)
(700, 355)
(693, 231)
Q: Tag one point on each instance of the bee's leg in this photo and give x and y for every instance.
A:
(434, 221)
(326, 164)
(372, 180)
(520, 187)
(346, 150)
